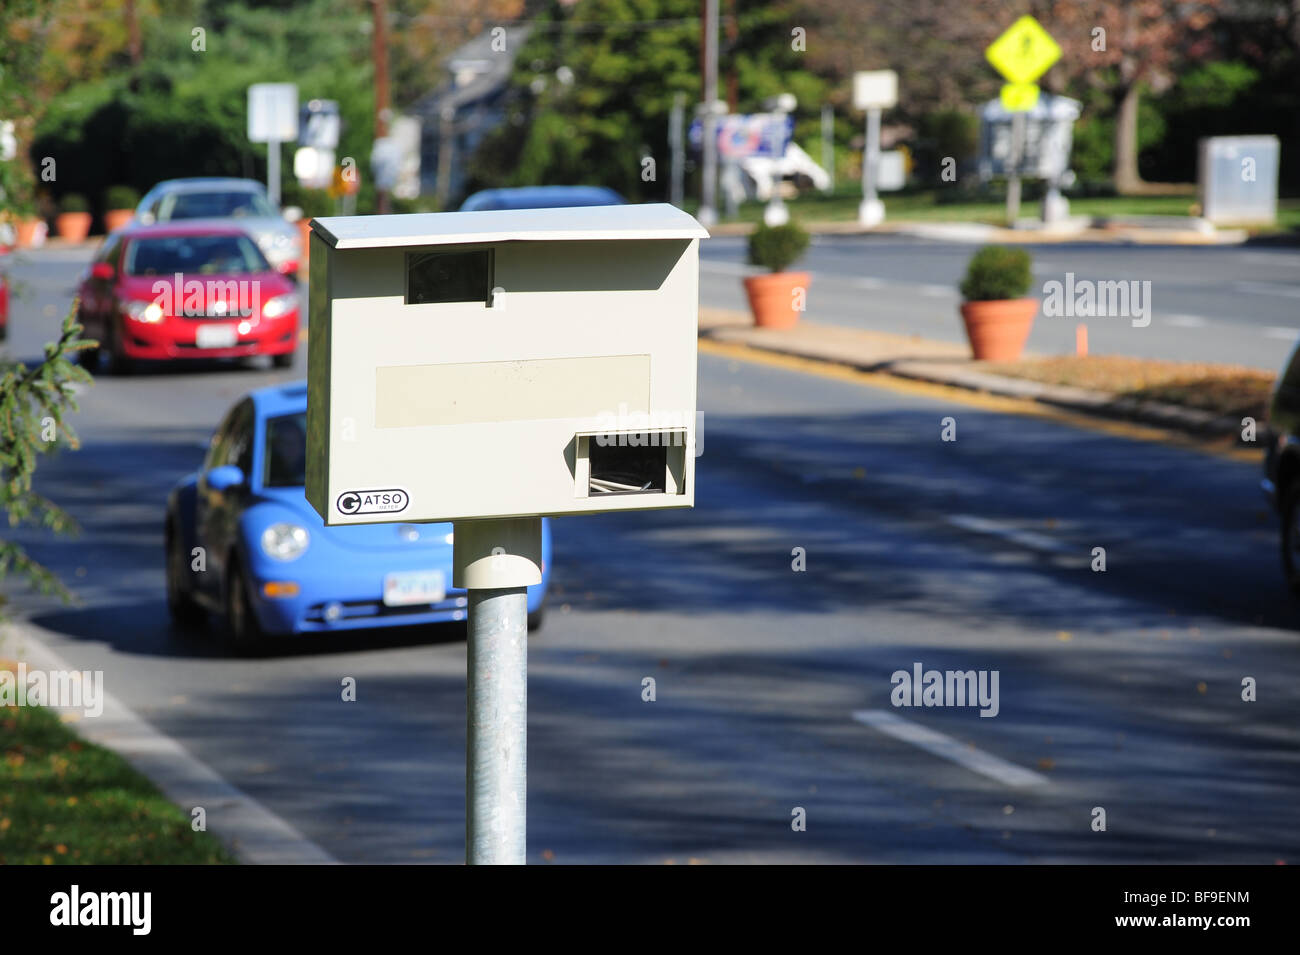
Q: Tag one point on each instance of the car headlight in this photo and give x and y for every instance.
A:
(280, 305)
(150, 313)
(284, 541)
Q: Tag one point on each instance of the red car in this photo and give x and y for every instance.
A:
(158, 292)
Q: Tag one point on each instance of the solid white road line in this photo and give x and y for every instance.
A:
(1186, 321)
(938, 744)
(248, 829)
(1268, 288)
(1286, 334)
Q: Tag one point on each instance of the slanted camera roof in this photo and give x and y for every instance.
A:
(585, 223)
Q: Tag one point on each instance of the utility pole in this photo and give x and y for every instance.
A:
(676, 141)
(379, 53)
(132, 32)
(708, 215)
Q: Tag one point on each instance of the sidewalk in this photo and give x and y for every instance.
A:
(1134, 230)
(944, 363)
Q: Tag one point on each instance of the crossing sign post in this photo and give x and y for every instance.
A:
(1023, 53)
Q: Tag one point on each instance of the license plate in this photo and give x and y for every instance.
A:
(216, 336)
(415, 587)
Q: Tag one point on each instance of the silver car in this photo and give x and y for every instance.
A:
(242, 201)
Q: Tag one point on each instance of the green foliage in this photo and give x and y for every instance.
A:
(34, 403)
(996, 273)
(68, 801)
(184, 113)
(121, 197)
(776, 248)
(941, 134)
(74, 202)
(601, 128)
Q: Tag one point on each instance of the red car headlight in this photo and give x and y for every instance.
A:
(280, 305)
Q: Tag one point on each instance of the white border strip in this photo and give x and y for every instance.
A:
(932, 741)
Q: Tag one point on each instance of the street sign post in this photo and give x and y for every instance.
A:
(490, 368)
(873, 91)
(1023, 53)
(273, 119)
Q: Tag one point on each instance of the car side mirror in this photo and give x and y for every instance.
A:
(102, 271)
(225, 477)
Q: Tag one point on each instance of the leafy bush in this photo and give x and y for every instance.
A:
(120, 197)
(74, 202)
(776, 248)
(995, 273)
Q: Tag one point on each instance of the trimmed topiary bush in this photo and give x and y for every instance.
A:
(997, 273)
(74, 202)
(120, 197)
(776, 248)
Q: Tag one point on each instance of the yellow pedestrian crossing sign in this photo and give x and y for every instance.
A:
(1019, 97)
(1024, 52)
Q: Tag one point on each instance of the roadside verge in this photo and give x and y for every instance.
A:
(244, 826)
(947, 364)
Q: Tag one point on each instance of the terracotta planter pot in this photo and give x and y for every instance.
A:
(998, 330)
(72, 226)
(114, 219)
(772, 298)
(25, 232)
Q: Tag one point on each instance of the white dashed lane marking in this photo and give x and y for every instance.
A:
(945, 747)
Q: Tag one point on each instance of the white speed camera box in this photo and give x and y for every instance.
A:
(471, 365)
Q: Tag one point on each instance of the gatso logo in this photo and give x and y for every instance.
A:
(384, 500)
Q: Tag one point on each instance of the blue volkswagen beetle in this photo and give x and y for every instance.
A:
(242, 541)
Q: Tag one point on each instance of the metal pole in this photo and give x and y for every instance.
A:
(676, 120)
(496, 561)
(708, 214)
(872, 210)
(1013, 175)
(273, 172)
(828, 145)
(496, 757)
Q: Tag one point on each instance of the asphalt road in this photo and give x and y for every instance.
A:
(1231, 304)
(1118, 690)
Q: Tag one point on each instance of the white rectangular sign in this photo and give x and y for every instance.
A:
(272, 112)
(875, 89)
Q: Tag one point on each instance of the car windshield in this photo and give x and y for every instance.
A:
(238, 204)
(286, 451)
(195, 254)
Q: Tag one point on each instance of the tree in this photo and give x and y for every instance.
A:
(594, 85)
(34, 403)
(33, 400)
(1122, 47)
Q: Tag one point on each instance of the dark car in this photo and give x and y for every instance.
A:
(542, 197)
(186, 291)
(1282, 464)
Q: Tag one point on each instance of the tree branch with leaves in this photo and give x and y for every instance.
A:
(34, 405)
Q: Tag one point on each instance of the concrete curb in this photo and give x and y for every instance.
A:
(248, 829)
(960, 373)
